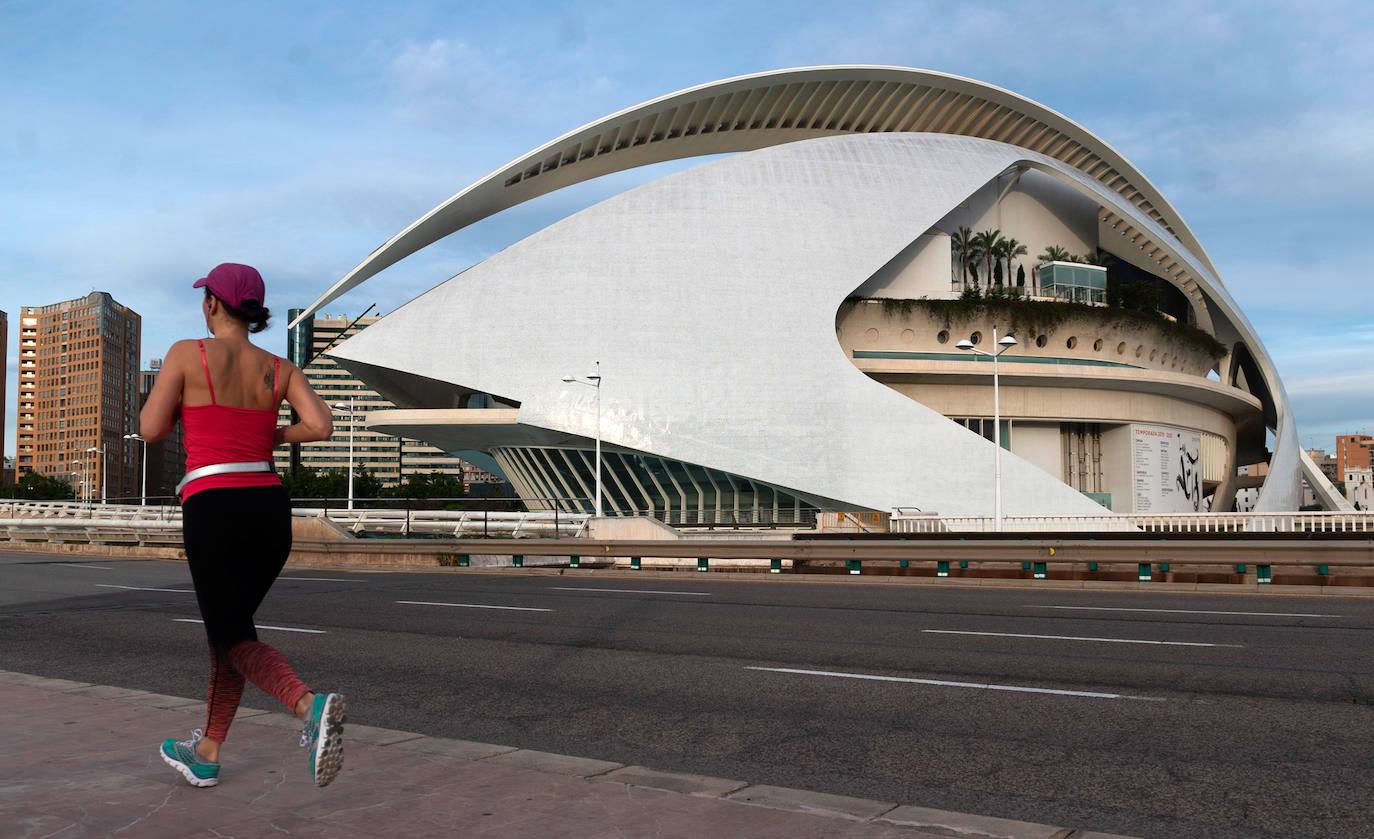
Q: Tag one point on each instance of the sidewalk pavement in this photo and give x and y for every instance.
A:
(80, 760)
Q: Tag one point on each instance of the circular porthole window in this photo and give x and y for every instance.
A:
(1041, 341)
(1163, 359)
(1121, 348)
(908, 336)
(871, 335)
(1097, 345)
(975, 338)
(943, 336)
(1072, 342)
(1152, 354)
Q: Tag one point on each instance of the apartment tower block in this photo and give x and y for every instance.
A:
(78, 394)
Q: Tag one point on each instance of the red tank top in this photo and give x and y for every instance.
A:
(222, 434)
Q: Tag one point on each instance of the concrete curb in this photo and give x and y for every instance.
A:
(936, 822)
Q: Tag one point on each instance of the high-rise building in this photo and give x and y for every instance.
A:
(1354, 451)
(389, 458)
(167, 457)
(4, 371)
(78, 394)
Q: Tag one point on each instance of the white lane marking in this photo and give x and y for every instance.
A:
(261, 626)
(1080, 638)
(141, 588)
(96, 567)
(472, 606)
(633, 590)
(326, 579)
(1190, 612)
(943, 683)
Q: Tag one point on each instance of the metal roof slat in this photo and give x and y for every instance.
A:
(873, 103)
(978, 121)
(749, 113)
(712, 115)
(856, 102)
(786, 102)
(820, 110)
(691, 122)
(912, 110)
(803, 115)
(999, 128)
(894, 98)
(767, 105)
(934, 116)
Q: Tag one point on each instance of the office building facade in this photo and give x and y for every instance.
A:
(78, 394)
(387, 457)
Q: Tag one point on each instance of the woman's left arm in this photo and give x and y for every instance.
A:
(161, 411)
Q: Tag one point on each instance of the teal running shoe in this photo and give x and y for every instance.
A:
(323, 736)
(181, 756)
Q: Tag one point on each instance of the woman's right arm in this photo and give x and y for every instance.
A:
(316, 423)
(163, 407)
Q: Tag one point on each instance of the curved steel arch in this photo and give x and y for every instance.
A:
(767, 109)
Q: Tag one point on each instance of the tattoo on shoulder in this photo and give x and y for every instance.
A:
(267, 378)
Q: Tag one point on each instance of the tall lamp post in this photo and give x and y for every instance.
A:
(143, 501)
(999, 347)
(82, 464)
(103, 470)
(594, 380)
(352, 425)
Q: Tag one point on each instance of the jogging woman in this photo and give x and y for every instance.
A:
(236, 516)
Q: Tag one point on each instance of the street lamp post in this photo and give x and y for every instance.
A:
(104, 463)
(82, 464)
(999, 347)
(594, 380)
(143, 501)
(352, 424)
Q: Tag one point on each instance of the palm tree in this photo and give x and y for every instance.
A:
(1010, 250)
(985, 244)
(962, 244)
(1055, 253)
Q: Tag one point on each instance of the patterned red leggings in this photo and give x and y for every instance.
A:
(237, 540)
(260, 664)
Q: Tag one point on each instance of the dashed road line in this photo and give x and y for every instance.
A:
(1080, 638)
(262, 626)
(949, 684)
(633, 591)
(143, 588)
(1189, 612)
(473, 606)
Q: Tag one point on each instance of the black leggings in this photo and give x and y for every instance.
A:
(237, 541)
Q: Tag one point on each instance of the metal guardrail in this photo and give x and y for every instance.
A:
(1219, 523)
(454, 523)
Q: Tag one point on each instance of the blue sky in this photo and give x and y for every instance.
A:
(141, 143)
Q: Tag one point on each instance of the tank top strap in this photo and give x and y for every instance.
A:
(276, 368)
(205, 364)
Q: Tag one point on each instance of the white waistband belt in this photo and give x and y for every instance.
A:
(225, 468)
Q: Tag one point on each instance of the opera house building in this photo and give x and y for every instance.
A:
(809, 322)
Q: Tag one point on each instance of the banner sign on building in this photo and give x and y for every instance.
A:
(1166, 465)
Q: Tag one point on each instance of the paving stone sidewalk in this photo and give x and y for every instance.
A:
(79, 760)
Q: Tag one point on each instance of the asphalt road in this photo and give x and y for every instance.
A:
(1150, 714)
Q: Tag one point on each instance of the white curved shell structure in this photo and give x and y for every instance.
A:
(709, 299)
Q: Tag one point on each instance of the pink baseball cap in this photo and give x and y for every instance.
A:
(234, 284)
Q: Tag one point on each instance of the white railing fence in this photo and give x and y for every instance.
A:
(1304, 522)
